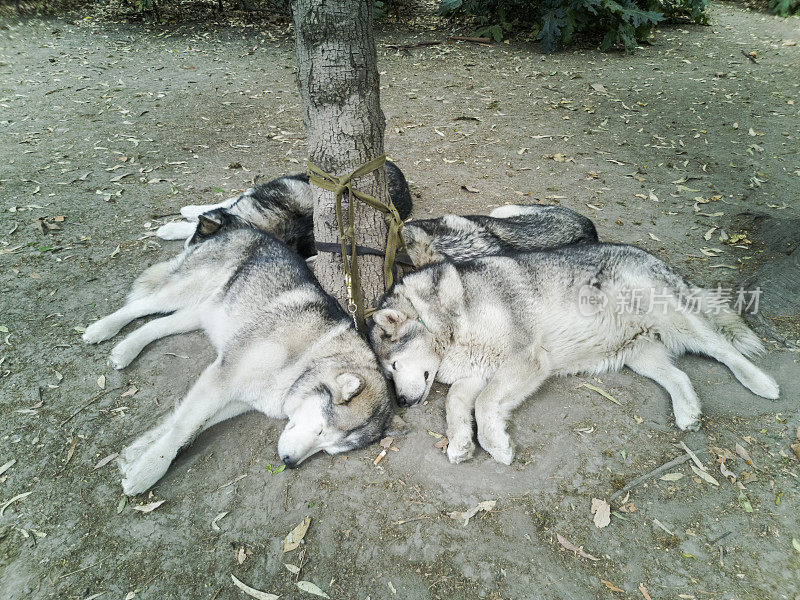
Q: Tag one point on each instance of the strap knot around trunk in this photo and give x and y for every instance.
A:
(394, 240)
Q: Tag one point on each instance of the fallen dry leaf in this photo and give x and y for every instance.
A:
(293, 569)
(104, 461)
(296, 535)
(671, 477)
(311, 588)
(214, 525)
(744, 454)
(8, 465)
(486, 505)
(101, 382)
(471, 190)
(602, 513)
(704, 475)
(252, 592)
(131, 392)
(442, 444)
(8, 503)
(644, 591)
(611, 586)
(570, 546)
(147, 508)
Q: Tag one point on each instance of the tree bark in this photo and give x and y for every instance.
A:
(339, 87)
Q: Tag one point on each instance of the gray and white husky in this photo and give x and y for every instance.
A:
(284, 348)
(283, 207)
(496, 328)
(507, 229)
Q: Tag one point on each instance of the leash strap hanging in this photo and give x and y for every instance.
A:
(394, 240)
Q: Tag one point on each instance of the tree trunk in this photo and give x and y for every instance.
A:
(338, 81)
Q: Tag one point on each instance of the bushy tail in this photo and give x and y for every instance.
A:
(733, 327)
(151, 279)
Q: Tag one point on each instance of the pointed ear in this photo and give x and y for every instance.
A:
(389, 320)
(397, 427)
(349, 385)
(208, 224)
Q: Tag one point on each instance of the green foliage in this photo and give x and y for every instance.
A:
(784, 8)
(620, 23)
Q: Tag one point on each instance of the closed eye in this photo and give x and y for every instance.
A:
(394, 365)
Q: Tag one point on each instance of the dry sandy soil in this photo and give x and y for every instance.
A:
(107, 129)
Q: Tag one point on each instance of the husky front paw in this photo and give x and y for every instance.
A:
(99, 331)
(142, 472)
(122, 355)
(498, 445)
(689, 422)
(459, 450)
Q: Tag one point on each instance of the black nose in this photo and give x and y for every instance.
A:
(287, 460)
(402, 401)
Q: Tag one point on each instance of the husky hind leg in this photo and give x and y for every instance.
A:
(654, 362)
(705, 339)
(181, 321)
(147, 459)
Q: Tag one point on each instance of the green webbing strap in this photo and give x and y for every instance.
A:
(394, 239)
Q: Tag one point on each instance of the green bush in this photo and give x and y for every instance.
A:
(619, 22)
(784, 8)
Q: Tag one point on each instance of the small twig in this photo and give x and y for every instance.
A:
(84, 568)
(411, 46)
(404, 521)
(474, 40)
(654, 473)
(85, 406)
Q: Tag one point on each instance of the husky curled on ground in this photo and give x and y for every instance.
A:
(508, 229)
(284, 348)
(496, 328)
(283, 207)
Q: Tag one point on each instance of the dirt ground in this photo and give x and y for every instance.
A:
(107, 129)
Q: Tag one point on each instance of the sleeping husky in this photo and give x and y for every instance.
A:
(285, 348)
(508, 229)
(283, 207)
(496, 328)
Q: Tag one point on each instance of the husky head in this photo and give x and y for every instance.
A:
(408, 327)
(335, 409)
